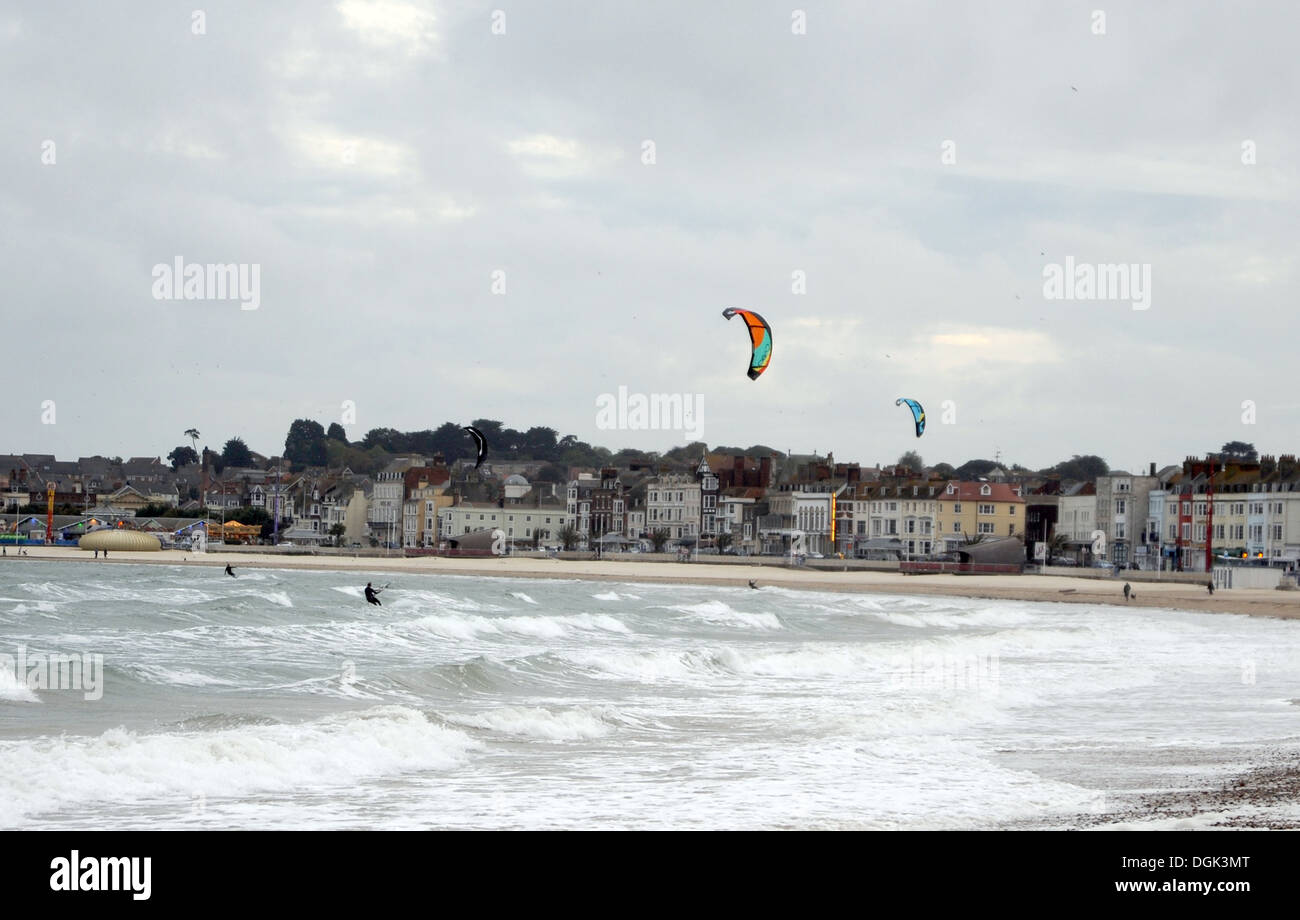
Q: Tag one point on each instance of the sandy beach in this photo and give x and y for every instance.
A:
(1250, 601)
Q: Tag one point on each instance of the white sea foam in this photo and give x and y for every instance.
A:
(539, 723)
(66, 773)
(523, 597)
(14, 690)
(541, 627)
(183, 677)
(721, 612)
(47, 609)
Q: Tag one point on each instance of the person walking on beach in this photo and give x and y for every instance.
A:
(370, 595)
(1209, 586)
(1128, 590)
(96, 554)
(230, 571)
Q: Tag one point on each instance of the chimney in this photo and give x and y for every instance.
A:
(765, 472)
(1153, 468)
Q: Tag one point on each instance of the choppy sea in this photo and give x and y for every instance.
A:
(280, 699)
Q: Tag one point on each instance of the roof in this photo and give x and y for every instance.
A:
(973, 491)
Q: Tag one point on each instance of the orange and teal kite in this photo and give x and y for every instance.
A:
(918, 413)
(760, 335)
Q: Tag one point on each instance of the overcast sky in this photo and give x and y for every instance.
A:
(381, 160)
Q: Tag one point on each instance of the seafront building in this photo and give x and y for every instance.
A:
(967, 511)
(1247, 511)
(1122, 504)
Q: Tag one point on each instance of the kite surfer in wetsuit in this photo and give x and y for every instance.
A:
(230, 571)
(370, 595)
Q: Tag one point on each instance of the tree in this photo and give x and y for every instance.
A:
(183, 456)
(974, 469)
(236, 453)
(551, 473)
(724, 541)
(337, 531)
(568, 535)
(1239, 450)
(540, 443)
(305, 444)
(943, 470)
(156, 509)
(659, 538)
(1081, 467)
(193, 435)
(912, 460)
(390, 439)
(336, 433)
(453, 442)
(250, 515)
(1057, 545)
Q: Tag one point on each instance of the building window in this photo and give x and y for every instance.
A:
(986, 509)
(986, 527)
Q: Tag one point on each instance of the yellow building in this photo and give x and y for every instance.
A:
(967, 509)
(421, 512)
